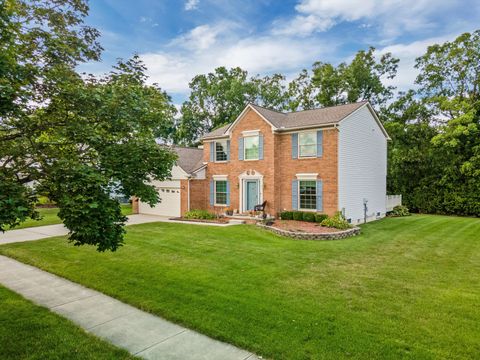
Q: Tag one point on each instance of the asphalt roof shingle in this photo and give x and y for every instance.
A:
(189, 159)
(299, 119)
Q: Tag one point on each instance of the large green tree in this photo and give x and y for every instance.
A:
(363, 78)
(217, 98)
(449, 83)
(435, 153)
(70, 138)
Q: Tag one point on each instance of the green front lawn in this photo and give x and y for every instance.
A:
(49, 217)
(28, 331)
(406, 288)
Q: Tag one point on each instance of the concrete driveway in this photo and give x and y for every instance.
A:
(42, 232)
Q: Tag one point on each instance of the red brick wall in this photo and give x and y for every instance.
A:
(183, 196)
(277, 167)
(198, 195)
(326, 167)
(235, 167)
(134, 205)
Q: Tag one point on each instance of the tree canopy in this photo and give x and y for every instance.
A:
(217, 98)
(70, 137)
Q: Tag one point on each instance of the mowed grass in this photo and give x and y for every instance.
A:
(49, 216)
(28, 331)
(405, 288)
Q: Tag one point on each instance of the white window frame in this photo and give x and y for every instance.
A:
(215, 150)
(300, 179)
(314, 132)
(245, 148)
(215, 191)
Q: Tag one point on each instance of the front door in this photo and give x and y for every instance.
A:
(251, 194)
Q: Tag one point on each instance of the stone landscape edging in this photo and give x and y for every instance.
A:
(337, 235)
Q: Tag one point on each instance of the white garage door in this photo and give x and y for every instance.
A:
(170, 201)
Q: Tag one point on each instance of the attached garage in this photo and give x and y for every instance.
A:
(171, 192)
(170, 200)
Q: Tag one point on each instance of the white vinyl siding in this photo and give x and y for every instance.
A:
(362, 166)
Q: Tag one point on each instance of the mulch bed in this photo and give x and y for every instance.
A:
(302, 226)
(215, 221)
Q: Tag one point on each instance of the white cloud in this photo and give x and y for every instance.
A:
(200, 38)
(303, 25)
(392, 16)
(191, 4)
(174, 67)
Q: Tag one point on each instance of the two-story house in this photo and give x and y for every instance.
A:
(324, 160)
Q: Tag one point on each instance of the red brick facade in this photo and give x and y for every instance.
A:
(277, 168)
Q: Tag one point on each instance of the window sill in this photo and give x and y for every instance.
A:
(251, 159)
(308, 210)
(220, 205)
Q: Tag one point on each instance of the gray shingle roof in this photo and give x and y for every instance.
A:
(189, 159)
(299, 119)
(217, 132)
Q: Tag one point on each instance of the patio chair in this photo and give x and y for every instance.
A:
(261, 207)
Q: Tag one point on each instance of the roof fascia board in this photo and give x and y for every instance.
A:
(198, 169)
(311, 127)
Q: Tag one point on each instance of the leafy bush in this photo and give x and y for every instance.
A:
(400, 210)
(199, 214)
(337, 221)
(309, 216)
(320, 217)
(286, 215)
(44, 201)
(298, 215)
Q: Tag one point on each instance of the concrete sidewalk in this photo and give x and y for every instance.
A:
(141, 333)
(42, 232)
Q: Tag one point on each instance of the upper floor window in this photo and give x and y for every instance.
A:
(221, 150)
(307, 144)
(251, 147)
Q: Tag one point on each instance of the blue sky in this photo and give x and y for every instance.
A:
(179, 39)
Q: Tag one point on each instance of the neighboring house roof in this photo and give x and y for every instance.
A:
(189, 159)
(300, 119)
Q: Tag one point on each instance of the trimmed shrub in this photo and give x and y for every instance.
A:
(298, 215)
(320, 217)
(309, 216)
(199, 215)
(286, 215)
(337, 221)
(400, 210)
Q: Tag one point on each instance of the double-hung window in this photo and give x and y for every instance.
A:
(221, 150)
(220, 192)
(307, 194)
(307, 144)
(251, 146)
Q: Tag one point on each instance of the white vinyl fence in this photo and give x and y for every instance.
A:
(392, 201)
